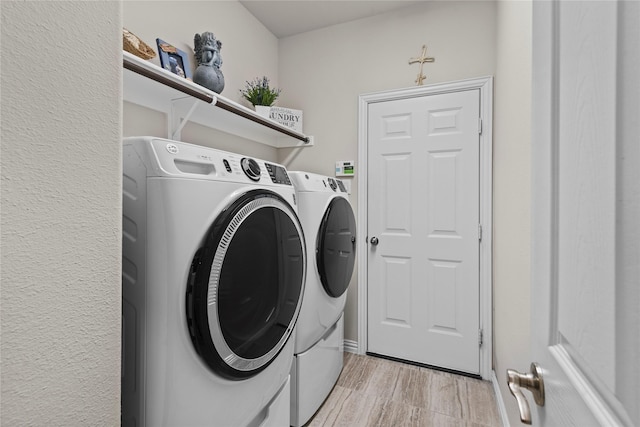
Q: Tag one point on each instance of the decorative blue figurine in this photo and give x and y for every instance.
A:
(207, 53)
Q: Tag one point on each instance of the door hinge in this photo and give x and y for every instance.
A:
(480, 232)
(479, 125)
(480, 338)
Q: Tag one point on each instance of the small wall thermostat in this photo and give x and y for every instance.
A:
(345, 168)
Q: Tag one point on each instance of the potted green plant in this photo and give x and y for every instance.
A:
(259, 94)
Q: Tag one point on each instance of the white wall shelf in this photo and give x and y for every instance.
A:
(146, 84)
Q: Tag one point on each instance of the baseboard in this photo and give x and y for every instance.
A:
(351, 346)
(501, 408)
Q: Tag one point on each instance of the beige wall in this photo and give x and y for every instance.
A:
(249, 50)
(326, 70)
(511, 205)
(61, 193)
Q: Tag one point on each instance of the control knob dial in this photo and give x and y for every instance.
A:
(251, 168)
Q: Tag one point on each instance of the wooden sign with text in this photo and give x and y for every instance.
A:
(288, 117)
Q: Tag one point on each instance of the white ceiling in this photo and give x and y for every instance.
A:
(289, 17)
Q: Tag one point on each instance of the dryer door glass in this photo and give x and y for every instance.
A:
(247, 284)
(336, 247)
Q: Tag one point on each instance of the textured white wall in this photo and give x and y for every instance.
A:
(61, 197)
(512, 195)
(249, 50)
(326, 70)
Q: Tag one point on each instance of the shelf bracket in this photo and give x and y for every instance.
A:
(286, 142)
(181, 111)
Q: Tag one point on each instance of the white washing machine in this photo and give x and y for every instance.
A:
(214, 265)
(330, 233)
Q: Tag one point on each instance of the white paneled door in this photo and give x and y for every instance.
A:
(586, 209)
(423, 229)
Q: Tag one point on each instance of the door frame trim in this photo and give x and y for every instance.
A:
(485, 86)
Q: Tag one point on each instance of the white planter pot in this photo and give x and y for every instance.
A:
(263, 110)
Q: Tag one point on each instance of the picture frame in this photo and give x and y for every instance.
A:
(173, 59)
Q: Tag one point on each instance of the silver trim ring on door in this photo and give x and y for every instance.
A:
(225, 352)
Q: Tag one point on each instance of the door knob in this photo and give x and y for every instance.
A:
(374, 241)
(532, 382)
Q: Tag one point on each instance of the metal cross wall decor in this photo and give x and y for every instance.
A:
(421, 60)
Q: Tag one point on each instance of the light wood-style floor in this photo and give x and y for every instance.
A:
(376, 392)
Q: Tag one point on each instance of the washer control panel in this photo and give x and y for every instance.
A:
(278, 174)
(175, 158)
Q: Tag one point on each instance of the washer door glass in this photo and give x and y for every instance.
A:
(246, 284)
(336, 247)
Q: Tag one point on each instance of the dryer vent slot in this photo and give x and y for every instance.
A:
(195, 167)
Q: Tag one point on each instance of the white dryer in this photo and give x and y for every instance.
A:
(214, 265)
(330, 233)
